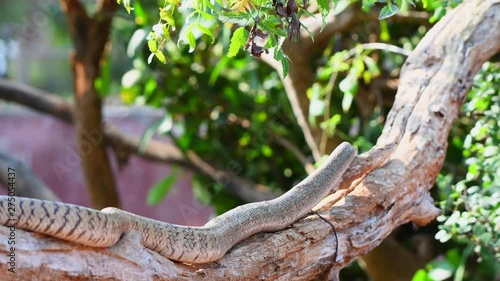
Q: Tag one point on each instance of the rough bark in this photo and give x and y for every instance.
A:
(90, 37)
(434, 82)
(303, 55)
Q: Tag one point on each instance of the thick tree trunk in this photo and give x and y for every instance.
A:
(387, 186)
(90, 36)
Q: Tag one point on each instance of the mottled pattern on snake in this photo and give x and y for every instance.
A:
(181, 243)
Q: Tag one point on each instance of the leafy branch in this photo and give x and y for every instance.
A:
(276, 19)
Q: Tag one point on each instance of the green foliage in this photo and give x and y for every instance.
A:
(471, 206)
(439, 7)
(324, 9)
(388, 11)
(157, 193)
(104, 81)
(126, 4)
(238, 40)
(475, 209)
(438, 270)
(391, 7)
(225, 109)
(351, 67)
(203, 17)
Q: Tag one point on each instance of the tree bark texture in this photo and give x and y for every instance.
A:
(385, 187)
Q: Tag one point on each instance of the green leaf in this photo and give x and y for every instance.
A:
(238, 40)
(269, 25)
(210, 5)
(349, 86)
(148, 134)
(324, 8)
(160, 56)
(388, 11)
(347, 101)
(310, 33)
(191, 40)
(165, 31)
(266, 150)
(200, 191)
(103, 82)
(372, 66)
(369, 3)
(207, 31)
(317, 103)
(131, 78)
(153, 45)
(240, 19)
(358, 65)
(150, 87)
(372, 69)
(441, 270)
(166, 124)
(141, 16)
(219, 67)
(316, 107)
(285, 65)
(350, 83)
(453, 256)
(385, 36)
(126, 4)
(279, 55)
(421, 275)
(167, 16)
(160, 189)
(208, 16)
(136, 41)
(443, 236)
(331, 124)
(439, 12)
(337, 62)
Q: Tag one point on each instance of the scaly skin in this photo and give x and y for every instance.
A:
(181, 243)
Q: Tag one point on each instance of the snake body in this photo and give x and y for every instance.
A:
(181, 243)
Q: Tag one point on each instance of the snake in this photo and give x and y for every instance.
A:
(187, 244)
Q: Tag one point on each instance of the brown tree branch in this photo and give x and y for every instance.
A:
(155, 150)
(308, 166)
(352, 15)
(90, 36)
(433, 86)
(301, 76)
(302, 52)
